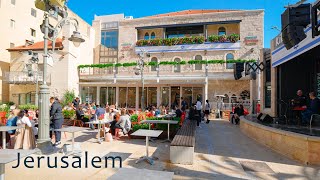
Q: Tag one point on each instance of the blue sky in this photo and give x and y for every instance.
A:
(139, 8)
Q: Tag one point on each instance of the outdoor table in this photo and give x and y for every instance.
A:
(147, 134)
(4, 129)
(138, 174)
(9, 155)
(100, 123)
(71, 129)
(298, 111)
(161, 122)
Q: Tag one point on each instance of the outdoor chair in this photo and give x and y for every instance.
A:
(315, 120)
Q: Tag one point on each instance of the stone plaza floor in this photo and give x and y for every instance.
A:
(222, 152)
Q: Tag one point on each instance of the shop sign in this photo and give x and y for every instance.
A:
(126, 47)
(318, 85)
(251, 40)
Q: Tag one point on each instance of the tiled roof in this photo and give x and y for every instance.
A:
(187, 12)
(38, 46)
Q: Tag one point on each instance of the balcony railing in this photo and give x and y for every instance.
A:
(20, 77)
(179, 70)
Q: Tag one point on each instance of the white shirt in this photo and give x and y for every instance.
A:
(24, 120)
(207, 106)
(199, 106)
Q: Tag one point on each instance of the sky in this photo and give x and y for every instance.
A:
(86, 9)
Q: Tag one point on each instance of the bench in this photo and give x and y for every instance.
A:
(182, 145)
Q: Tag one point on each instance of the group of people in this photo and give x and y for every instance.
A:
(300, 104)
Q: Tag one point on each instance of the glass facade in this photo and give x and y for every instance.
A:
(165, 96)
(108, 95)
(109, 46)
(222, 31)
(88, 94)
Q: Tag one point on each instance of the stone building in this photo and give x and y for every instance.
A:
(186, 54)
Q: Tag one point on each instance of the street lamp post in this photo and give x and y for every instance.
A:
(44, 141)
(139, 71)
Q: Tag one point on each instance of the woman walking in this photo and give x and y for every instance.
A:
(24, 136)
(207, 111)
(57, 118)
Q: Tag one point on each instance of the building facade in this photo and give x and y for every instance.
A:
(185, 53)
(63, 63)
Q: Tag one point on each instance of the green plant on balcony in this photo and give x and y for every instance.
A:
(118, 65)
(197, 62)
(213, 38)
(155, 42)
(223, 38)
(152, 63)
(234, 38)
(129, 64)
(216, 61)
(142, 42)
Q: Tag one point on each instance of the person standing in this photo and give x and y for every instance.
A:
(207, 111)
(76, 103)
(57, 118)
(198, 108)
(183, 104)
(25, 138)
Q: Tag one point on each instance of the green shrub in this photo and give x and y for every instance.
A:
(234, 38)
(28, 107)
(134, 118)
(68, 114)
(140, 126)
(213, 38)
(68, 97)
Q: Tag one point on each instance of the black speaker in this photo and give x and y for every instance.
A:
(259, 116)
(266, 118)
(238, 68)
(293, 35)
(298, 16)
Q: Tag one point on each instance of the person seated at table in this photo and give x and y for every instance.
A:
(100, 112)
(114, 122)
(178, 111)
(300, 100)
(79, 113)
(238, 111)
(192, 112)
(25, 138)
(314, 108)
(12, 120)
(123, 124)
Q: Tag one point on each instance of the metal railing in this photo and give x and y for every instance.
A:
(163, 70)
(20, 77)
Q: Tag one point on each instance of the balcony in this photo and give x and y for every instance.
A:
(197, 43)
(167, 72)
(20, 77)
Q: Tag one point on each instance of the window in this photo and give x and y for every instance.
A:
(222, 31)
(12, 23)
(146, 36)
(13, 2)
(154, 68)
(153, 35)
(177, 68)
(109, 47)
(11, 45)
(198, 66)
(184, 31)
(230, 57)
(33, 12)
(33, 32)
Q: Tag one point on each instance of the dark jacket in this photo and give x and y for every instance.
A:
(315, 106)
(56, 111)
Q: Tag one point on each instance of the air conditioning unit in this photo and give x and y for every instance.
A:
(128, 17)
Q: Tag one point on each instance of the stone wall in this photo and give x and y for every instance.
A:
(302, 148)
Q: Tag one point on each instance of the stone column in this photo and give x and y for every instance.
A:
(253, 94)
(181, 95)
(158, 96)
(117, 96)
(98, 95)
(137, 98)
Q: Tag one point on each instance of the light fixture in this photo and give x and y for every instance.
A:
(76, 38)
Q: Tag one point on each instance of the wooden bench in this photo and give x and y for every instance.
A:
(182, 145)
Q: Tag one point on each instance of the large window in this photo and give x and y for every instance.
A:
(154, 68)
(222, 31)
(230, 57)
(127, 97)
(108, 95)
(198, 66)
(88, 94)
(153, 35)
(177, 68)
(165, 96)
(109, 47)
(150, 96)
(185, 31)
(146, 36)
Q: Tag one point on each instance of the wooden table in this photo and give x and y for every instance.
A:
(9, 155)
(4, 129)
(72, 129)
(139, 174)
(161, 122)
(100, 124)
(147, 134)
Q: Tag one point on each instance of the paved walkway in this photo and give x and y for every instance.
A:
(220, 148)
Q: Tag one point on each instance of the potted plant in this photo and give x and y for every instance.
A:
(4, 109)
(213, 38)
(68, 114)
(223, 38)
(234, 38)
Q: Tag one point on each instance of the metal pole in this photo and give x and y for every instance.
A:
(142, 80)
(37, 88)
(44, 141)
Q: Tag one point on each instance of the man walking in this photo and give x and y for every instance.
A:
(57, 118)
(198, 108)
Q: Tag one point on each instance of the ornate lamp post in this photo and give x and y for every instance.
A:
(51, 8)
(138, 70)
